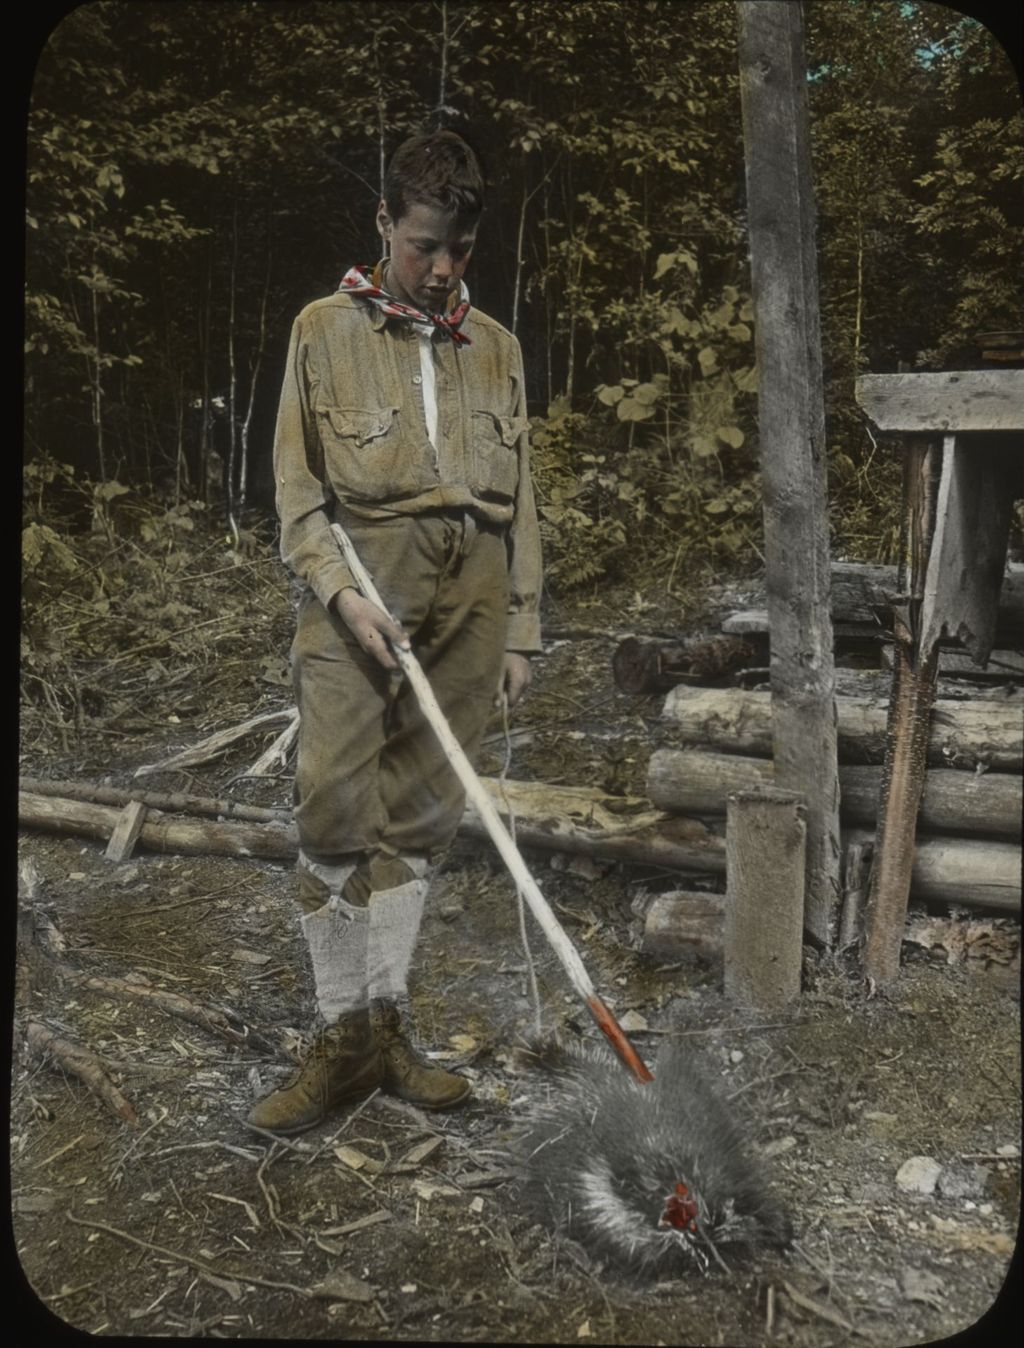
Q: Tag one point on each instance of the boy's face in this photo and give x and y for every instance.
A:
(430, 250)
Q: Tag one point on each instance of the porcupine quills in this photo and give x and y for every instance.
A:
(652, 1179)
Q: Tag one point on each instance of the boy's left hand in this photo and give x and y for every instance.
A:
(515, 676)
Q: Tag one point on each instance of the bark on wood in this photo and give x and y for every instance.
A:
(189, 837)
(126, 831)
(973, 872)
(856, 869)
(645, 666)
(915, 673)
(968, 554)
(82, 1064)
(963, 734)
(791, 423)
(560, 818)
(860, 593)
(694, 782)
(953, 401)
(616, 828)
(168, 802)
(766, 848)
(681, 925)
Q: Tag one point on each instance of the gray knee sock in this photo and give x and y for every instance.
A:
(395, 916)
(337, 935)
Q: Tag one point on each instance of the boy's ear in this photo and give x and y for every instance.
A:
(384, 221)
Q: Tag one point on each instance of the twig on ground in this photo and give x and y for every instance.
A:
(190, 1259)
(84, 1065)
(224, 1023)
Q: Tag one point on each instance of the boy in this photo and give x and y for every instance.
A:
(403, 419)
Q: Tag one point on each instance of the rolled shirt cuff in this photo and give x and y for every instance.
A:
(523, 633)
(330, 579)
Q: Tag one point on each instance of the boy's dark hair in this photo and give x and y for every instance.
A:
(437, 168)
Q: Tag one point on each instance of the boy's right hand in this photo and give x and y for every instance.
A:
(370, 626)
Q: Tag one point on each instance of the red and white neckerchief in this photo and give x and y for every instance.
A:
(360, 281)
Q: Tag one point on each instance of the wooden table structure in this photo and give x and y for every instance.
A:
(963, 454)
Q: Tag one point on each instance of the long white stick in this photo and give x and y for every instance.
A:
(455, 754)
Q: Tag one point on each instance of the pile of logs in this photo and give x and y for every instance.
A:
(969, 826)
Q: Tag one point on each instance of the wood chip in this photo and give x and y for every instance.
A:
(415, 1156)
(462, 1043)
(357, 1160)
(360, 1224)
(428, 1189)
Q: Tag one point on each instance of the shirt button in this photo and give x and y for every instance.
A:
(417, 379)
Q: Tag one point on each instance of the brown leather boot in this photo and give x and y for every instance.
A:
(342, 1064)
(405, 1073)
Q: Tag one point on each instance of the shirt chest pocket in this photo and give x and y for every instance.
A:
(494, 457)
(367, 455)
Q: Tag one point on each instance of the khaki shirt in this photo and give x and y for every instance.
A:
(351, 429)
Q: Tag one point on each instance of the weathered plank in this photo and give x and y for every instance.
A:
(791, 431)
(126, 831)
(696, 782)
(968, 554)
(766, 852)
(948, 402)
(964, 734)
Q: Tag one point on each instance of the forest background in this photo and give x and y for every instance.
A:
(197, 172)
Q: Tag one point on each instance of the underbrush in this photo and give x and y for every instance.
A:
(128, 616)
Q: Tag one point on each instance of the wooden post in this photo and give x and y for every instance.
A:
(791, 415)
(915, 672)
(765, 854)
(126, 831)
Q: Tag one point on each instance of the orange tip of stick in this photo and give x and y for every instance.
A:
(616, 1036)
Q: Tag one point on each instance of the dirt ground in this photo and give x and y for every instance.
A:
(388, 1224)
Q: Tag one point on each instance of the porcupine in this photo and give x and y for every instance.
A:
(651, 1178)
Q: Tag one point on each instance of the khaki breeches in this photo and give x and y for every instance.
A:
(371, 778)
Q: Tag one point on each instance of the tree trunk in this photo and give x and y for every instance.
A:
(692, 781)
(963, 734)
(791, 417)
(230, 503)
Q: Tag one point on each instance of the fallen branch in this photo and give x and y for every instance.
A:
(274, 840)
(224, 1023)
(276, 756)
(170, 802)
(82, 1064)
(215, 745)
